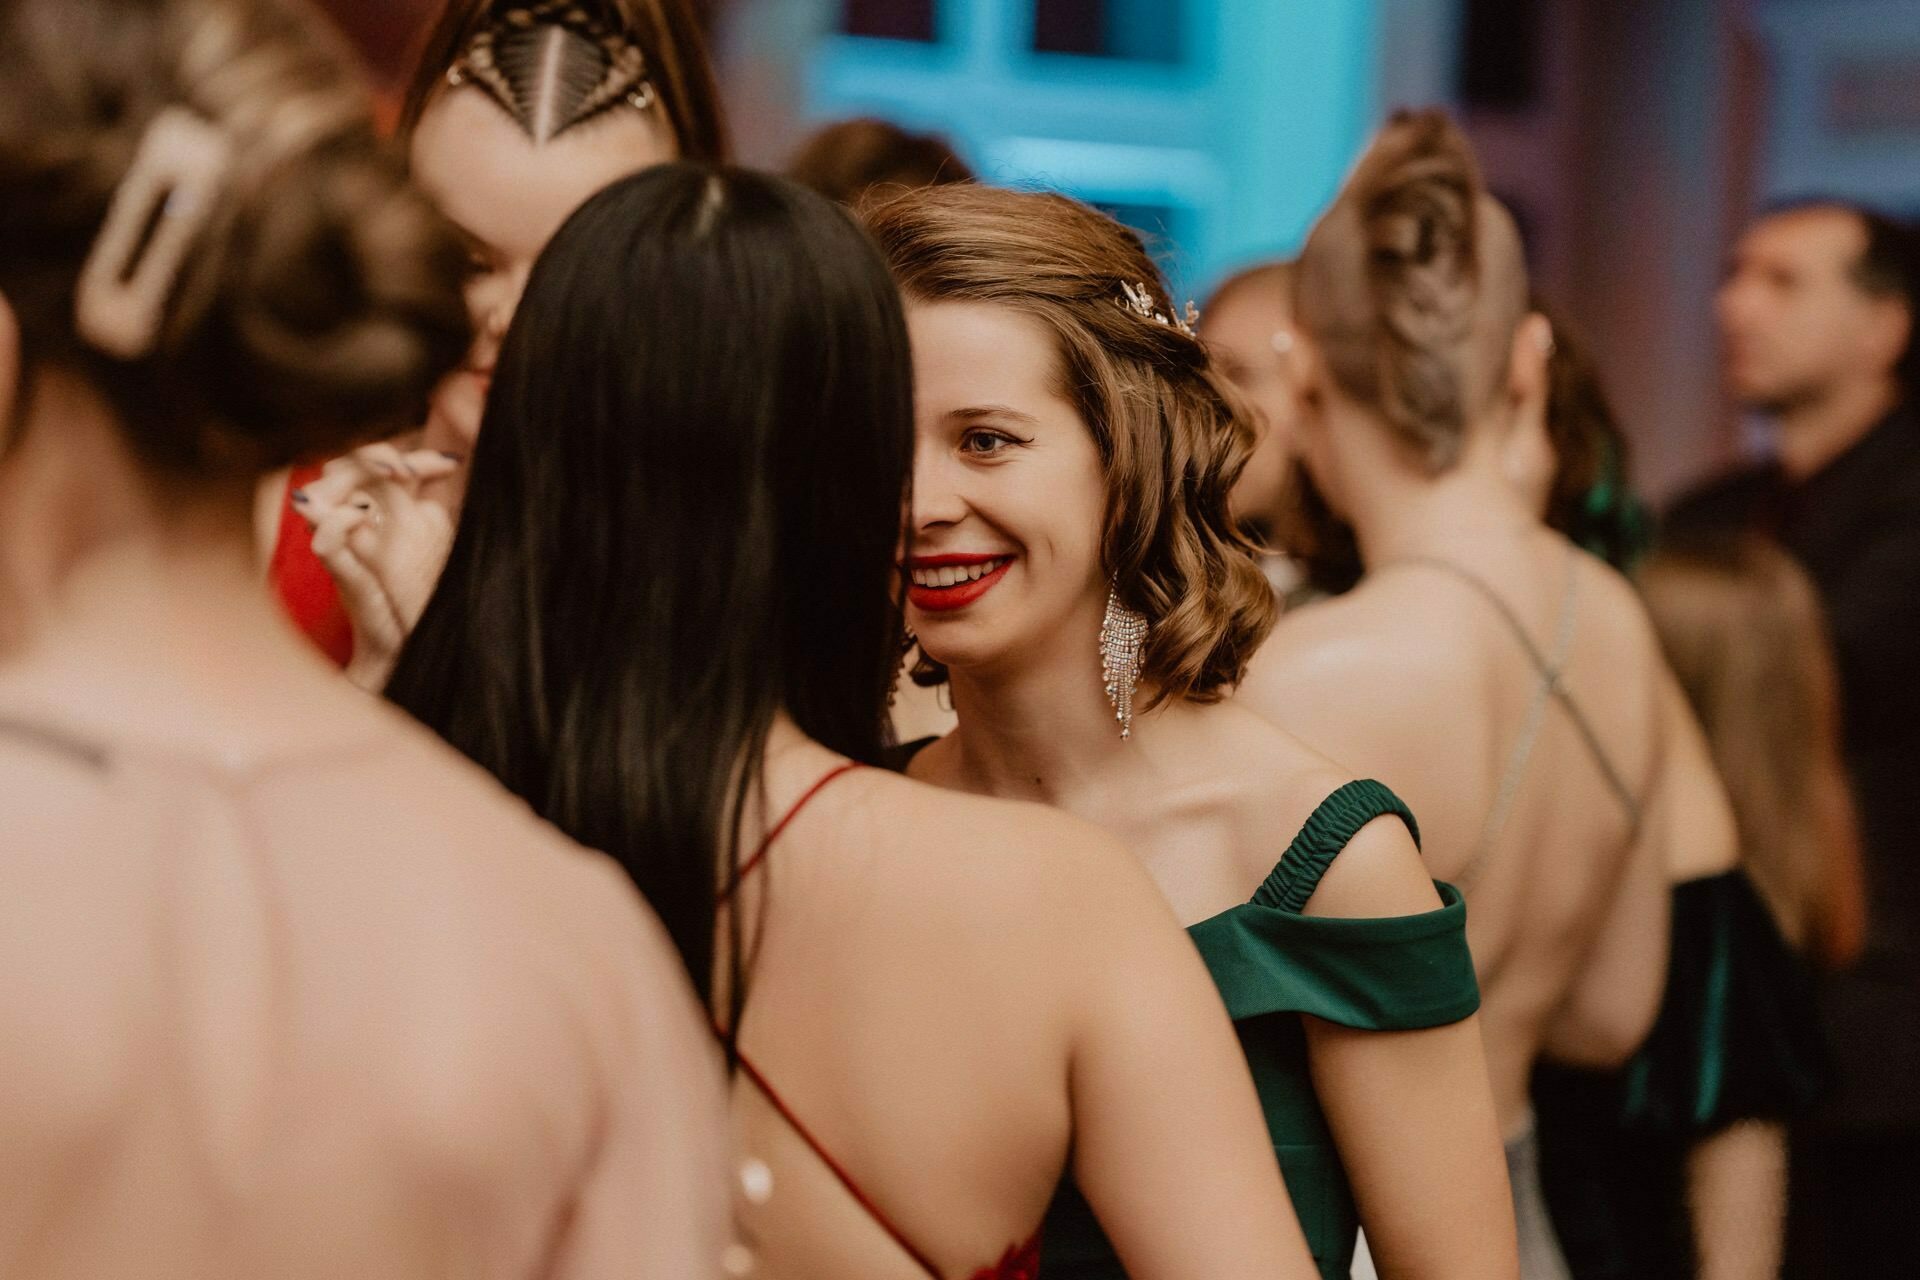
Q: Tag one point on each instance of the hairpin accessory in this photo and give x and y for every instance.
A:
(1123, 641)
(1138, 299)
(165, 200)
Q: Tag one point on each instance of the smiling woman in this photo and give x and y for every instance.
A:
(1071, 543)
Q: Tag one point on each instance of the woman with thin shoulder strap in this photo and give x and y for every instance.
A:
(1508, 683)
(517, 112)
(289, 989)
(1075, 574)
(670, 622)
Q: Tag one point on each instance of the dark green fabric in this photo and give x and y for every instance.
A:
(1272, 965)
(1738, 1038)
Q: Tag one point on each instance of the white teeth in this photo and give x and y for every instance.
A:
(953, 575)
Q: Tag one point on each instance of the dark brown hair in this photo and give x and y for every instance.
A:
(320, 300)
(588, 73)
(1413, 284)
(853, 160)
(1172, 434)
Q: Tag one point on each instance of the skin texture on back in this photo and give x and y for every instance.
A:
(955, 1029)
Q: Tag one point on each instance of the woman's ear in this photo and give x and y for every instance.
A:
(1528, 372)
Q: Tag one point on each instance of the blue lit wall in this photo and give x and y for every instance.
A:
(1227, 154)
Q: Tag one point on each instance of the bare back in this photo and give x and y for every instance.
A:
(954, 997)
(331, 1011)
(1515, 701)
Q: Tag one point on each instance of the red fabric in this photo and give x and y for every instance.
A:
(302, 583)
(1019, 1264)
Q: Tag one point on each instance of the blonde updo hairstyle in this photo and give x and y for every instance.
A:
(319, 298)
(1171, 433)
(1412, 286)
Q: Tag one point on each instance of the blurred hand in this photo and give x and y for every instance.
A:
(385, 541)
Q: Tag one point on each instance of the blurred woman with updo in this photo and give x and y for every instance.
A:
(1502, 679)
(289, 989)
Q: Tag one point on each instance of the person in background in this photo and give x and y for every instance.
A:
(1248, 327)
(518, 111)
(669, 621)
(288, 988)
(1675, 1165)
(1818, 320)
(1505, 680)
(852, 160)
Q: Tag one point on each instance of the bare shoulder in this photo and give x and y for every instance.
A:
(1381, 635)
(1379, 873)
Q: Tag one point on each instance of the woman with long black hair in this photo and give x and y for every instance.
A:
(670, 619)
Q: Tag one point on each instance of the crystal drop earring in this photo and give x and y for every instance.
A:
(1123, 639)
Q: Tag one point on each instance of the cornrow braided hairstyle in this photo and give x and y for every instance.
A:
(553, 65)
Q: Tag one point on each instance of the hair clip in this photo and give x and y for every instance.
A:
(1138, 299)
(164, 201)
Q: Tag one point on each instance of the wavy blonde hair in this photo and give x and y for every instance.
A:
(1743, 628)
(1172, 434)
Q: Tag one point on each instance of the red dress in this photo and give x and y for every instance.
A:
(302, 584)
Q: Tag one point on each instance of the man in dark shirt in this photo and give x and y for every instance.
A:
(1818, 317)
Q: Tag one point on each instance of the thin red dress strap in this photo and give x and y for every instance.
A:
(833, 1166)
(752, 864)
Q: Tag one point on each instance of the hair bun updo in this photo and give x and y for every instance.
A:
(1397, 279)
(321, 298)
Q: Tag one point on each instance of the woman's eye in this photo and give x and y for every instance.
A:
(985, 442)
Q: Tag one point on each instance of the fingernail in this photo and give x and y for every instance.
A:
(452, 457)
(299, 497)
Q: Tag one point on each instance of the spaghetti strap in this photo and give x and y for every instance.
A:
(792, 1117)
(752, 864)
(833, 1166)
(60, 742)
(1551, 670)
(1330, 828)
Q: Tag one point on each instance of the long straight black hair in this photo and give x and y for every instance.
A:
(682, 519)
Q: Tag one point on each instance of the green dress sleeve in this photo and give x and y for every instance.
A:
(1401, 973)
(1273, 964)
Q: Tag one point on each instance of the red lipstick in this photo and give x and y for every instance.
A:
(958, 594)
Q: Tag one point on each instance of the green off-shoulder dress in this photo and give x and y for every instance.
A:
(1274, 964)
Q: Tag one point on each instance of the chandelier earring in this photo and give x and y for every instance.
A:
(1123, 641)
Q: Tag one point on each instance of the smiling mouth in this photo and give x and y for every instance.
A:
(941, 584)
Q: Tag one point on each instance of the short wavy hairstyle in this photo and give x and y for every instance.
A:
(1172, 434)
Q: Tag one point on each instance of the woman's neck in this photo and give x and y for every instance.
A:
(1398, 511)
(1040, 728)
(124, 589)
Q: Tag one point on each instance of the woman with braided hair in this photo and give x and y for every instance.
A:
(289, 990)
(519, 110)
(1504, 680)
